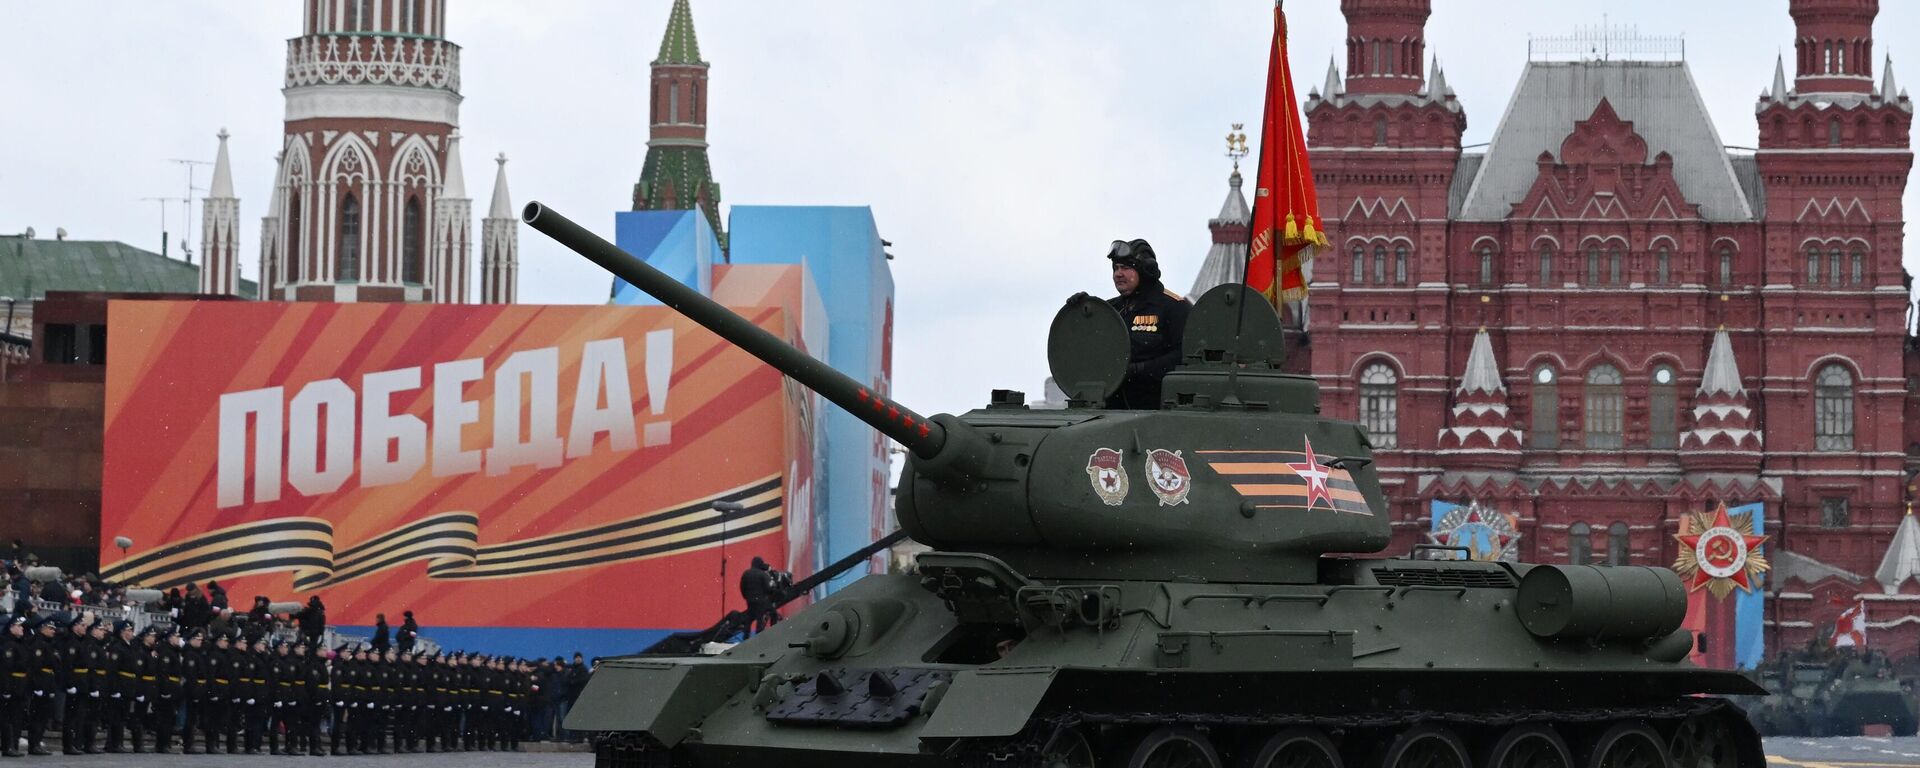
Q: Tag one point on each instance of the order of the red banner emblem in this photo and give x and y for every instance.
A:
(1170, 479)
(1720, 552)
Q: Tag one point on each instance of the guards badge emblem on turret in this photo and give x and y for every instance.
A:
(1108, 475)
(1169, 477)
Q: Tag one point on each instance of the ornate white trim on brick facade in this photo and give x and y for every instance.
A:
(354, 60)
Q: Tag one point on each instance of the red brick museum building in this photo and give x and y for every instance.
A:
(1605, 319)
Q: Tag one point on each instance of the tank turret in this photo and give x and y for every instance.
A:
(1235, 478)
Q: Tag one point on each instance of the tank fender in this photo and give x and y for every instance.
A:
(989, 703)
(665, 699)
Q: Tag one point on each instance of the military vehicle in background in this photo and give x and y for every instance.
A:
(1824, 693)
(1164, 588)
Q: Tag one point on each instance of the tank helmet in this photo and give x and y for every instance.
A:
(1137, 254)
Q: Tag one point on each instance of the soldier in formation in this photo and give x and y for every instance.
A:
(114, 689)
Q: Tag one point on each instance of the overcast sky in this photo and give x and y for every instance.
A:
(1001, 143)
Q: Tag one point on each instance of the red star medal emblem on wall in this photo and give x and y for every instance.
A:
(1720, 553)
(1310, 470)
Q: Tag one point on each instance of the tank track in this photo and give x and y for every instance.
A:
(1027, 749)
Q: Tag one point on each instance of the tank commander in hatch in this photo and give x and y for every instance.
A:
(1156, 319)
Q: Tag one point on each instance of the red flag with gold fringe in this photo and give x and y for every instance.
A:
(1286, 213)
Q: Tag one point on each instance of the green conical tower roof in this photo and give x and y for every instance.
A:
(679, 46)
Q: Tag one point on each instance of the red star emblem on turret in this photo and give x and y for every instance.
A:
(1721, 550)
(1316, 476)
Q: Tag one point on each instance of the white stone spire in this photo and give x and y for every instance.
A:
(222, 186)
(1889, 89)
(1902, 560)
(1483, 374)
(1723, 374)
(1333, 86)
(453, 233)
(1779, 78)
(456, 186)
(502, 207)
(220, 230)
(272, 241)
(500, 245)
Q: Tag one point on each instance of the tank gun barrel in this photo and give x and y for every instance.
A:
(923, 436)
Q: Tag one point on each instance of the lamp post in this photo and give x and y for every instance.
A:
(6, 359)
(727, 509)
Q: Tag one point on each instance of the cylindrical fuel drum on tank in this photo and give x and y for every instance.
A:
(1601, 601)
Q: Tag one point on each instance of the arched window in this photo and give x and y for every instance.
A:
(1826, 61)
(1833, 267)
(1400, 264)
(412, 266)
(1380, 264)
(693, 102)
(348, 266)
(1603, 408)
(353, 17)
(1859, 264)
(1833, 409)
(407, 10)
(1833, 133)
(673, 102)
(1662, 410)
(654, 115)
(1726, 265)
(1380, 404)
(1486, 265)
(1579, 544)
(1813, 265)
(1377, 64)
(1614, 259)
(1359, 264)
(1546, 264)
(1663, 264)
(1546, 408)
(419, 17)
(296, 235)
(1379, 131)
(1593, 264)
(1619, 544)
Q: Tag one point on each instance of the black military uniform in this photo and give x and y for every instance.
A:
(195, 681)
(15, 661)
(123, 676)
(216, 721)
(146, 687)
(100, 699)
(80, 652)
(343, 700)
(169, 682)
(1156, 321)
(255, 701)
(43, 676)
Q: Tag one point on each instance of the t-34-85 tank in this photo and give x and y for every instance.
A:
(1165, 589)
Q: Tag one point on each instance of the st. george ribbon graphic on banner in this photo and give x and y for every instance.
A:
(527, 480)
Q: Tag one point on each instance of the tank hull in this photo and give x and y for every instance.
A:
(1361, 667)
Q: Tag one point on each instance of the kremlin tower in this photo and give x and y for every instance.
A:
(368, 202)
(677, 175)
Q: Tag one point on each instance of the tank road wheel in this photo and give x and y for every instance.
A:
(1530, 746)
(1067, 748)
(1427, 746)
(1296, 748)
(1703, 741)
(1628, 745)
(1170, 747)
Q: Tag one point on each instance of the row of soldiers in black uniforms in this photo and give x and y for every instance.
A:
(238, 692)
